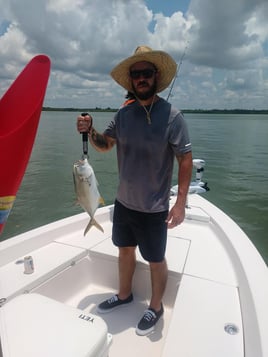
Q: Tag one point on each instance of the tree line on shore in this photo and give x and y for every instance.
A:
(199, 111)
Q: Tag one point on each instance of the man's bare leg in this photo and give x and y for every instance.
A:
(127, 264)
(159, 274)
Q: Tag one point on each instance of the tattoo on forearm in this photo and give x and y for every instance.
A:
(98, 139)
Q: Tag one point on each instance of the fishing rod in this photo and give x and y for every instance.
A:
(177, 71)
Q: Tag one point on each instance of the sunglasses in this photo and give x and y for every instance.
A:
(145, 73)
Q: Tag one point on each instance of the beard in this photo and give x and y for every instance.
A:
(151, 91)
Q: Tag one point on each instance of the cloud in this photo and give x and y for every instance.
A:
(226, 45)
(223, 35)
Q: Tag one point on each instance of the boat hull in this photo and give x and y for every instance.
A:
(214, 305)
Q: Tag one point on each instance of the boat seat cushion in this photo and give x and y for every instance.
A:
(33, 325)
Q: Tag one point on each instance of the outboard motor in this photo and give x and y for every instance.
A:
(197, 186)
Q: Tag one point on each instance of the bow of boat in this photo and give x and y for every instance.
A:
(215, 301)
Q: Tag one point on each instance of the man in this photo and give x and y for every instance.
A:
(148, 134)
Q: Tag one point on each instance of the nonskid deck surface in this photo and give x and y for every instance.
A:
(122, 322)
(93, 280)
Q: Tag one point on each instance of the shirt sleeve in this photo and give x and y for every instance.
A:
(178, 136)
(111, 130)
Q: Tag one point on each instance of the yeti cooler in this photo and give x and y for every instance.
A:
(33, 325)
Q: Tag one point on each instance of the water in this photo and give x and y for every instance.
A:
(234, 147)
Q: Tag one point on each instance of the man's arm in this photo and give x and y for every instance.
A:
(177, 213)
(99, 141)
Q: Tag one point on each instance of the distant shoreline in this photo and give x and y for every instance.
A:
(199, 111)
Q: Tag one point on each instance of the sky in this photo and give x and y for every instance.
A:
(221, 48)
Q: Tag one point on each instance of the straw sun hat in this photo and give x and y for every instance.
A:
(163, 62)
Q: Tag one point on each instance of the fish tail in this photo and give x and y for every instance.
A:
(101, 201)
(92, 223)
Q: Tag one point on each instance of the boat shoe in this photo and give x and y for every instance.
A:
(148, 321)
(113, 303)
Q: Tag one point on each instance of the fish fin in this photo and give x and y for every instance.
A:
(101, 201)
(98, 226)
(91, 223)
(76, 203)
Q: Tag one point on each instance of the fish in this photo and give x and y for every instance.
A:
(86, 189)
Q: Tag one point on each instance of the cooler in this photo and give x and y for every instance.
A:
(33, 325)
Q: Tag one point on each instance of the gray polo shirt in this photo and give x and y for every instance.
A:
(146, 152)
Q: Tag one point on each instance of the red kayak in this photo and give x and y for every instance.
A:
(20, 110)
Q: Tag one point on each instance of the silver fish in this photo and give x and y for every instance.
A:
(86, 189)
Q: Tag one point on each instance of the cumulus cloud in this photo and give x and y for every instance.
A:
(226, 47)
(221, 36)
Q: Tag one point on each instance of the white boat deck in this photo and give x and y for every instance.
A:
(203, 294)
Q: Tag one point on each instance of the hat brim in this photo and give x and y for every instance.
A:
(164, 63)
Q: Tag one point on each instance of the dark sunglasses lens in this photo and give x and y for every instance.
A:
(145, 73)
(148, 73)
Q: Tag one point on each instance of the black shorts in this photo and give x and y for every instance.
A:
(148, 231)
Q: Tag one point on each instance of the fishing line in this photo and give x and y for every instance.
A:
(177, 71)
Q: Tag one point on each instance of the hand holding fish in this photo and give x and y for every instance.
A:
(84, 123)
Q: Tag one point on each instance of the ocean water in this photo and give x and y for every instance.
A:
(234, 147)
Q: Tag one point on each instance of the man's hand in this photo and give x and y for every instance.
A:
(176, 215)
(84, 123)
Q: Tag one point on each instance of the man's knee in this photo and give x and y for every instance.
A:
(127, 251)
